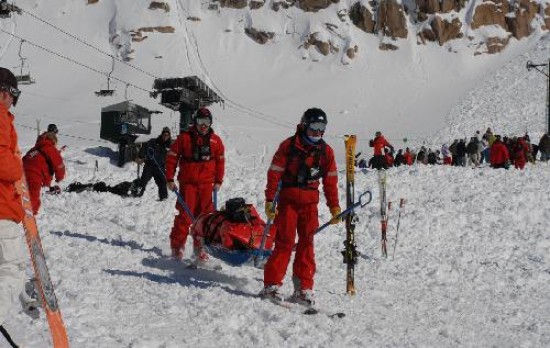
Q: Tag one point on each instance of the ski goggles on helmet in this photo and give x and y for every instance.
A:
(203, 121)
(317, 126)
(14, 92)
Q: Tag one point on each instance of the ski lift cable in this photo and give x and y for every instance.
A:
(229, 100)
(89, 45)
(68, 135)
(236, 105)
(110, 72)
(76, 62)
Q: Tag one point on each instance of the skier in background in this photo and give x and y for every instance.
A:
(499, 155)
(200, 155)
(544, 147)
(12, 259)
(41, 163)
(155, 167)
(379, 143)
(299, 163)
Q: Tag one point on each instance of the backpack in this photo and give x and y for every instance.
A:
(236, 210)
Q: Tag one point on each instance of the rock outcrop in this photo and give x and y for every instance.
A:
(362, 17)
(391, 20)
(315, 5)
(237, 4)
(259, 36)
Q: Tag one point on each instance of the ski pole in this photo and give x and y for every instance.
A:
(181, 201)
(383, 212)
(215, 199)
(8, 337)
(260, 253)
(361, 202)
(401, 205)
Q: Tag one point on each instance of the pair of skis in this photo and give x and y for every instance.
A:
(384, 207)
(350, 248)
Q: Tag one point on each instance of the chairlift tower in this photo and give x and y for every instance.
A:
(185, 95)
(539, 68)
(121, 124)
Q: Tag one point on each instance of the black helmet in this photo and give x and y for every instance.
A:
(203, 113)
(8, 83)
(7, 78)
(52, 128)
(314, 115)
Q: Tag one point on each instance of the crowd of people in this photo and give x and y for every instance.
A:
(493, 150)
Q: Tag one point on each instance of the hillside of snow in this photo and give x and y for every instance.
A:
(470, 266)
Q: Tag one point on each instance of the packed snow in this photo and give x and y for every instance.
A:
(469, 266)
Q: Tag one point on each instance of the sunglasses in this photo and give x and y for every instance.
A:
(15, 93)
(203, 122)
(317, 126)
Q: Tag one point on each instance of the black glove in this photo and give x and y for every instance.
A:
(54, 190)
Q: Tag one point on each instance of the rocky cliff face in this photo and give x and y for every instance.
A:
(485, 26)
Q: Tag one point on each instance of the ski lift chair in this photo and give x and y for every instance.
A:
(107, 92)
(25, 79)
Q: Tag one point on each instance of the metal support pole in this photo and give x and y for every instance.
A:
(186, 117)
(548, 99)
(540, 69)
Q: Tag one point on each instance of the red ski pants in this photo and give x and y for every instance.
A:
(519, 163)
(198, 198)
(34, 194)
(293, 217)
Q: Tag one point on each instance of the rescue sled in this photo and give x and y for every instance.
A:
(234, 235)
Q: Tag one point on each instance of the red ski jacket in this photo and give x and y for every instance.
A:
(379, 143)
(44, 161)
(287, 162)
(520, 149)
(11, 169)
(389, 160)
(499, 153)
(408, 158)
(200, 157)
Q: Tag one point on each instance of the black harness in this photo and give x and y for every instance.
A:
(306, 174)
(200, 146)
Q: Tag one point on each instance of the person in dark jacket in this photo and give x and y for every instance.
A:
(399, 158)
(461, 153)
(544, 147)
(153, 154)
